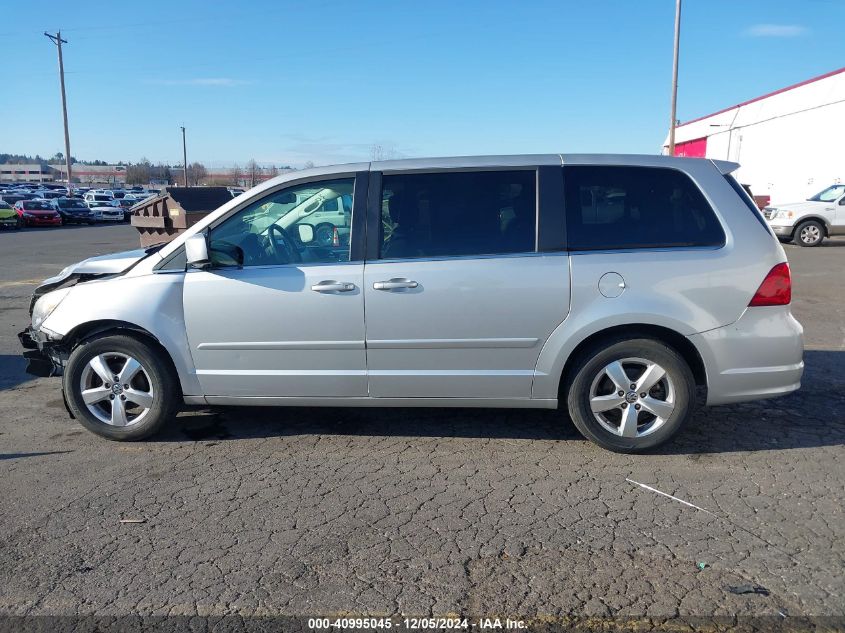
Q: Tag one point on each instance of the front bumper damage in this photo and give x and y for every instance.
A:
(45, 357)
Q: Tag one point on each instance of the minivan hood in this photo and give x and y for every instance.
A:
(107, 264)
(92, 268)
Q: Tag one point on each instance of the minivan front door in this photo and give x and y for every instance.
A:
(458, 301)
(279, 314)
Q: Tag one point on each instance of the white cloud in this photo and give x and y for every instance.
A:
(226, 82)
(776, 30)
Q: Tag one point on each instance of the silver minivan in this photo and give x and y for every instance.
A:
(609, 286)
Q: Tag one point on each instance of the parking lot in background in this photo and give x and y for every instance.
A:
(309, 511)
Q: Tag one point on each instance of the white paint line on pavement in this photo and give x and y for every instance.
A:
(665, 494)
(26, 282)
(789, 555)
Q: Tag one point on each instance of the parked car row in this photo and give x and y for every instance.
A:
(28, 204)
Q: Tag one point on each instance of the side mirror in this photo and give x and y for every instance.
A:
(306, 233)
(196, 251)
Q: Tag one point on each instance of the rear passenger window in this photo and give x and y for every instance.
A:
(458, 213)
(636, 207)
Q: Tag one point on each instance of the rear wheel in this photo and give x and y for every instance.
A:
(120, 387)
(630, 395)
(809, 233)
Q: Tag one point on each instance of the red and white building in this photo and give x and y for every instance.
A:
(790, 143)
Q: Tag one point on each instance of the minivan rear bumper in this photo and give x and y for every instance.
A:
(758, 356)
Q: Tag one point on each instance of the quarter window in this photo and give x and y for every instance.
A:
(457, 214)
(303, 224)
(636, 207)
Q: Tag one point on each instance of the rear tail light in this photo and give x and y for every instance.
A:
(335, 237)
(776, 289)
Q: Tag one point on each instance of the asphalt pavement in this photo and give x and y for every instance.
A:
(302, 512)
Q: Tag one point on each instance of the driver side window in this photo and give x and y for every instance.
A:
(303, 224)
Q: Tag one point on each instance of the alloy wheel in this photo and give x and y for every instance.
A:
(116, 389)
(632, 397)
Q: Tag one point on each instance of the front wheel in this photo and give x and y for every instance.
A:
(120, 387)
(630, 395)
(809, 233)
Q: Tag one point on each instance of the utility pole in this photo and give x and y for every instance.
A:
(58, 41)
(675, 78)
(185, 156)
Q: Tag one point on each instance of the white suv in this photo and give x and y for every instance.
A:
(810, 221)
(96, 199)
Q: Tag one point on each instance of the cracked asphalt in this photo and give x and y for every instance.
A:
(257, 512)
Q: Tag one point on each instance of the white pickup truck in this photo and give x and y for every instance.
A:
(807, 223)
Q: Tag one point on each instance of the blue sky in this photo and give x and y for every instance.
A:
(289, 81)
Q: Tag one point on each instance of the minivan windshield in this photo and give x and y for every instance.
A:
(828, 195)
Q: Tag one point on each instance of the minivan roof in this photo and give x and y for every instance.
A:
(527, 160)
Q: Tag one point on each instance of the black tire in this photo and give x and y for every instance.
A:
(158, 374)
(809, 233)
(91, 223)
(589, 370)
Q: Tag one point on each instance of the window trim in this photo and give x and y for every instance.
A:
(747, 200)
(374, 210)
(650, 248)
(551, 209)
(374, 199)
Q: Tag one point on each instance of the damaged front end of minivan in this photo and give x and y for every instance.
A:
(43, 349)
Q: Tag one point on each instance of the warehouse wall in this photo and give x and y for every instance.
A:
(790, 144)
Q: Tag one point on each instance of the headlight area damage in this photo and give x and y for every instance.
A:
(44, 350)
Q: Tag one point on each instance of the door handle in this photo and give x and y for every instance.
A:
(397, 283)
(330, 285)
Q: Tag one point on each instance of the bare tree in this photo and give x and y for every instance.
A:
(253, 172)
(196, 173)
(161, 172)
(139, 173)
(272, 171)
(235, 175)
(308, 164)
(381, 152)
